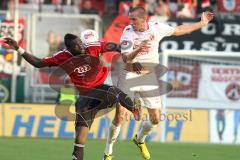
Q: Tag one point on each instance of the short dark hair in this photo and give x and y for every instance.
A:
(141, 11)
(68, 40)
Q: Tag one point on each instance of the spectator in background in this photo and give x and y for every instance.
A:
(52, 42)
(236, 124)
(124, 7)
(148, 6)
(173, 6)
(10, 11)
(151, 5)
(87, 8)
(48, 1)
(162, 9)
(136, 3)
(59, 7)
(76, 5)
(36, 4)
(110, 7)
(220, 119)
(22, 1)
(61, 45)
(203, 6)
(188, 9)
(4, 5)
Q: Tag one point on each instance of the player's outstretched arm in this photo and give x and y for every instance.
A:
(36, 62)
(188, 28)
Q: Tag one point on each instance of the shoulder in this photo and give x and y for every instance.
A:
(161, 24)
(154, 24)
(128, 29)
(128, 33)
(62, 54)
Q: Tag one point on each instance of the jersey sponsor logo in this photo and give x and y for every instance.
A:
(82, 69)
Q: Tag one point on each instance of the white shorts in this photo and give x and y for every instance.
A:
(144, 86)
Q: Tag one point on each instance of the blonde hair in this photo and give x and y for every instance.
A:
(141, 12)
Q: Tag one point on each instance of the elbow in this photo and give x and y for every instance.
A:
(38, 65)
(180, 32)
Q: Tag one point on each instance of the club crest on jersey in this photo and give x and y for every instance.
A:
(82, 69)
(152, 37)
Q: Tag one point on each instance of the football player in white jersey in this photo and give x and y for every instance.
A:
(138, 31)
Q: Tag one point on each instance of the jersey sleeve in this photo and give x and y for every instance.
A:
(109, 47)
(54, 60)
(164, 29)
(94, 49)
(126, 41)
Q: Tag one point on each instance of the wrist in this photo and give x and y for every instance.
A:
(20, 50)
(138, 49)
(16, 48)
(203, 23)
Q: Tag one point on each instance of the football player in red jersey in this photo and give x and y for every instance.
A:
(82, 63)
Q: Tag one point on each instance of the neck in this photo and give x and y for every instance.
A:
(143, 28)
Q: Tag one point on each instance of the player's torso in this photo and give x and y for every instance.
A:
(152, 34)
(85, 70)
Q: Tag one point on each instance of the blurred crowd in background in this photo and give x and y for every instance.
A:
(169, 8)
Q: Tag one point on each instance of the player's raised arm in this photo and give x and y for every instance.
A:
(188, 28)
(36, 62)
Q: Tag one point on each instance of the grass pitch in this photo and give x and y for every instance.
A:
(61, 149)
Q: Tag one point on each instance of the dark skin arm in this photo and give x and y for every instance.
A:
(127, 58)
(109, 47)
(135, 67)
(34, 61)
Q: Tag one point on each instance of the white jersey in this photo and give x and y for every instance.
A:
(131, 39)
(144, 84)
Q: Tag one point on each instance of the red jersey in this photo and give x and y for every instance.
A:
(86, 70)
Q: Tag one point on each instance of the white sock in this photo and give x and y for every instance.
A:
(111, 138)
(146, 129)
